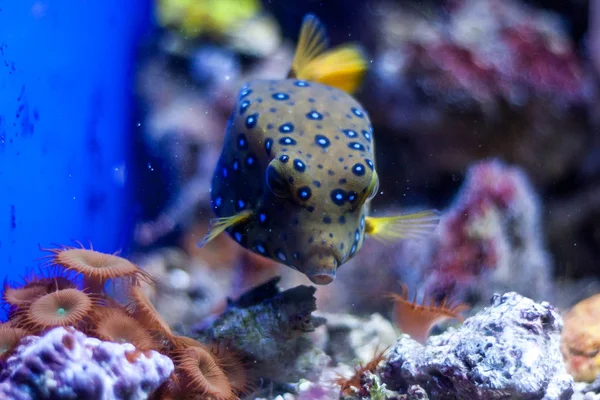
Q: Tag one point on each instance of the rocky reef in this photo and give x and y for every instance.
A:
(268, 327)
(511, 349)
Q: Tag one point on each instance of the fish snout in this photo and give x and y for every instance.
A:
(321, 267)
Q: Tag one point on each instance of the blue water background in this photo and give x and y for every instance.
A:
(66, 121)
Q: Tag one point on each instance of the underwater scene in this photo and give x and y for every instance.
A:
(300, 199)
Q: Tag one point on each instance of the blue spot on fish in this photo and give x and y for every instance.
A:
(281, 255)
(284, 158)
(301, 84)
(280, 96)
(242, 141)
(299, 165)
(240, 205)
(244, 106)
(322, 141)
(304, 193)
(338, 196)
(369, 163)
(251, 120)
(268, 146)
(357, 112)
(288, 127)
(245, 93)
(356, 146)
(261, 248)
(358, 169)
(287, 141)
(314, 115)
(350, 133)
(367, 135)
(262, 217)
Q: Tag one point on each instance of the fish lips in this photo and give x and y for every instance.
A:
(321, 266)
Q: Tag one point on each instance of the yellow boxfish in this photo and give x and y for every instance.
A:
(297, 171)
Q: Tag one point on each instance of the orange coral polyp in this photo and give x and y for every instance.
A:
(416, 319)
(233, 366)
(115, 325)
(201, 374)
(22, 296)
(34, 288)
(146, 313)
(61, 308)
(9, 339)
(98, 267)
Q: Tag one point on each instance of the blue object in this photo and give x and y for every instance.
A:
(66, 121)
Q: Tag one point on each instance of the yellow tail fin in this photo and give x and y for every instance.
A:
(342, 67)
(408, 226)
(218, 225)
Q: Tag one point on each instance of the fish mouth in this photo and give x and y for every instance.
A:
(321, 265)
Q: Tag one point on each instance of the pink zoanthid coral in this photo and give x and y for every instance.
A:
(489, 240)
(66, 364)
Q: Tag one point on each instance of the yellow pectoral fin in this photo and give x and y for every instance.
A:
(342, 67)
(408, 226)
(218, 225)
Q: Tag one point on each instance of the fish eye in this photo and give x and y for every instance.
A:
(374, 187)
(276, 183)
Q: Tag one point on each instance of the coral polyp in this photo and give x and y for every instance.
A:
(200, 374)
(233, 366)
(22, 296)
(115, 325)
(9, 339)
(145, 312)
(97, 267)
(67, 307)
(417, 319)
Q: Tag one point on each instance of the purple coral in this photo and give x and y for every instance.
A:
(66, 364)
(488, 237)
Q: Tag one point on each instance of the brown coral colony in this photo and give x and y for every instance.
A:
(42, 303)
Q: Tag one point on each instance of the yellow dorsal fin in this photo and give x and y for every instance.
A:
(312, 42)
(342, 67)
(408, 226)
(218, 225)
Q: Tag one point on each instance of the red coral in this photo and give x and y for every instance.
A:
(529, 53)
(494, 213)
